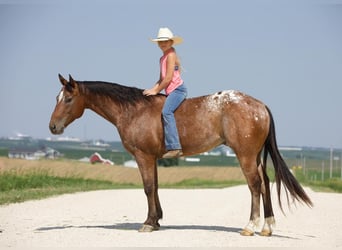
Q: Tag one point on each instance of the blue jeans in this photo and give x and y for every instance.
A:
(172, 102)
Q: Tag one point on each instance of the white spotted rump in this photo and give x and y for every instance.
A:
(215, 101)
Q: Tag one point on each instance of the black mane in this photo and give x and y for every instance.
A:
(122, 94)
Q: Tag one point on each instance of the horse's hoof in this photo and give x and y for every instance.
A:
(246, 232)
(266, 233)
(148, 228)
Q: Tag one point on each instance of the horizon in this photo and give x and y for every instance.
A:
(66, 138)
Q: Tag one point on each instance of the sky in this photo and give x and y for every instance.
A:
(287, 54)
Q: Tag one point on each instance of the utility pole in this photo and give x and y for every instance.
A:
(322, 171)
(331, 161)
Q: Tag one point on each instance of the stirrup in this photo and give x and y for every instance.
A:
(173, 154)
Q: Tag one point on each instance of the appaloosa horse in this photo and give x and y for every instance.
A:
(228, 117)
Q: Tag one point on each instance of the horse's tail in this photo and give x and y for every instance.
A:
(282, 172)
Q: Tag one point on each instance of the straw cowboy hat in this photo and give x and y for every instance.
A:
(165, 34)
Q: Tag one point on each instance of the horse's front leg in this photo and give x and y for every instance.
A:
(148, 170)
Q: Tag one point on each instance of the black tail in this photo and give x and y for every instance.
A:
(282, 172)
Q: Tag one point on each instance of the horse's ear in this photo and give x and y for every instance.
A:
(62, 80)
(73, 84)
(72, 81)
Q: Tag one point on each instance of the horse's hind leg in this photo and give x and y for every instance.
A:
(266, 197)
(250, 170)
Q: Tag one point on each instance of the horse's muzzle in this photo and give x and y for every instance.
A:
(56, 130)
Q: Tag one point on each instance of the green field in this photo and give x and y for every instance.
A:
(22, 180)
(18, 188)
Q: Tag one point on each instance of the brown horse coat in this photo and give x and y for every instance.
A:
(227, 117)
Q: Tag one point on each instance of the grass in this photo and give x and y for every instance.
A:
(22, 180)
(38, 185)
(312, 178)
(200, 183)
(331, 185)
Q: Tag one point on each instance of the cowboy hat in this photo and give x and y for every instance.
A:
(166, 34)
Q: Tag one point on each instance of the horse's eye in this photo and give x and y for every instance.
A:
(67, 99)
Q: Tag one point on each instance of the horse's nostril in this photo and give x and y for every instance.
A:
(55, 129)
(52, 127)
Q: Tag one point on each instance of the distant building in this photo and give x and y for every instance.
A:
(96, 157)
(33, 153)
(131, 164)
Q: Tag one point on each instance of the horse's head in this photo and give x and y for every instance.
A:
(70, 106)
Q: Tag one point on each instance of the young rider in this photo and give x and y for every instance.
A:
(170, 80)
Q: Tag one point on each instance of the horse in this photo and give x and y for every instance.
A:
(228, 117)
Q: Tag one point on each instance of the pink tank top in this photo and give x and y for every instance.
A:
(176, 79)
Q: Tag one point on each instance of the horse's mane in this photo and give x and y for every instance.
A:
(120, 93)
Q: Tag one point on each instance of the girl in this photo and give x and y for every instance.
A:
(170, 81)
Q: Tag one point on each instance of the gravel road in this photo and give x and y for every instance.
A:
(192, 218)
